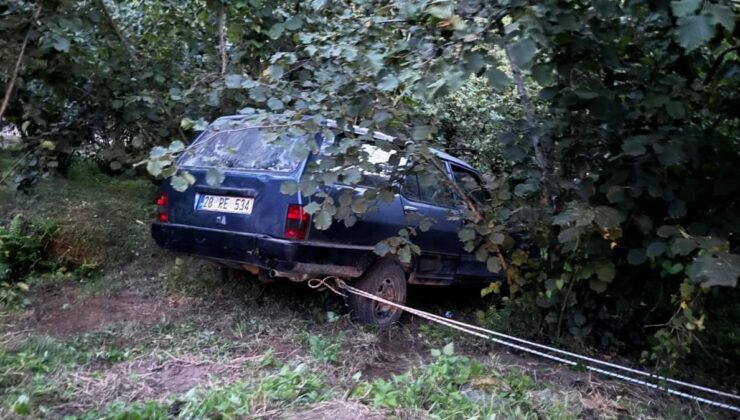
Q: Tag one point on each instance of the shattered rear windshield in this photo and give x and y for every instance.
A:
(245, 149)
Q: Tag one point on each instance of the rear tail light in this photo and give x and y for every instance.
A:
(296, 222)
(162, 202)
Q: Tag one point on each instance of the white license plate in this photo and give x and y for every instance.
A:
(225, 204)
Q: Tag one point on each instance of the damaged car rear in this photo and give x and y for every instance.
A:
(244, 219)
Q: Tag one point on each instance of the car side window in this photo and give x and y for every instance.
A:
(470, 183)
(429, 188)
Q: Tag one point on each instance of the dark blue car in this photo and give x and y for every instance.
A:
(247, 222)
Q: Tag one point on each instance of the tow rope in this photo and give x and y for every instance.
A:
(529, 347)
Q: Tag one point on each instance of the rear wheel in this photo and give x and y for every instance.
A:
(384, 279)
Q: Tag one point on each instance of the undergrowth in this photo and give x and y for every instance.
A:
(24, 246)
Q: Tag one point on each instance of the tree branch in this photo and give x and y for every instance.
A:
(14, 76)
(717, 62)
(117, 30)
(529, 116)
(222, 37)
(130, 51)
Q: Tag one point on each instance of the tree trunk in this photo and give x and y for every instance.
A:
(14, 76)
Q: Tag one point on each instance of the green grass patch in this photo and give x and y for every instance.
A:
(454, 386)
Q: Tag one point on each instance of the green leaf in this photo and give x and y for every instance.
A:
(543, 74)
(289, 187)
(519, 257)
(466, 234)
(441, 11)
(494, 287)
(683, 8)
(720, 270)
(675, 109)
(656, 249)
(359, 206)
(449, 349)
(382, 248)
(312, 207)
(608, 218)
(233, 81)
(683, 246)
(157, 152)
(522, 52)
(154, 167)
(721, 15)
(694, 31)
(179, 183)
(276, 31)
(215, 177)
(176, 147)
(421, 132)
(605, 271)
(633, 147)
(677, 209)
(497, 79)
(322, 219)
(388, 83)
(61, 43)
(669, 231)
(275, 71)
(597, 286)
(319, 4)
(294, 23)
(275, 104)
(493, 264)
(404, 254)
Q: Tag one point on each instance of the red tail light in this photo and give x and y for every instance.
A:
(162, 202)
(296, 222)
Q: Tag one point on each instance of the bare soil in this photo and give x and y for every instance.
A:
(63, 312)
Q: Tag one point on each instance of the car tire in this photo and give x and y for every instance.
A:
(387, 280)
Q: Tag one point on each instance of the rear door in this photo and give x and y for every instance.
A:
(440, 246)
(248, 199)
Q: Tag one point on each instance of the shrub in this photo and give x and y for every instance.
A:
(23, 246)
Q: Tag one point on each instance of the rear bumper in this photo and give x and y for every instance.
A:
(281, 255)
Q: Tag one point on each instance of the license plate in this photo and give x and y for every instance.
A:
(225, 204)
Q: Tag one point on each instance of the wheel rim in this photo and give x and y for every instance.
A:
(388, 290)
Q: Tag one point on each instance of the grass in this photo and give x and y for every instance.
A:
(215, 348)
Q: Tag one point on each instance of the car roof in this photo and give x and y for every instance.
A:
(363, 131)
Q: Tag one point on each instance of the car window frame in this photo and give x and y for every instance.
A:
(470, 171)
(454, 206)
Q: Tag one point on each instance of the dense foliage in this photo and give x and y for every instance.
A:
(23, 250)
(617, 124)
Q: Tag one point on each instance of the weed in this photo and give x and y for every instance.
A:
(324, 349)
(295, 384)
(121, 411)
(23, 246)
(443, 390)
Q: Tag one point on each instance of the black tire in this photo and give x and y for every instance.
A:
(387, 280)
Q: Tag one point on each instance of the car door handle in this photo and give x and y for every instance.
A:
(410, 208)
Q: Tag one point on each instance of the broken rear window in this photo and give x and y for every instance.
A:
(243, 149)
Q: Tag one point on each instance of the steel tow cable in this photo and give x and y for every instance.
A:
(487, 334)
